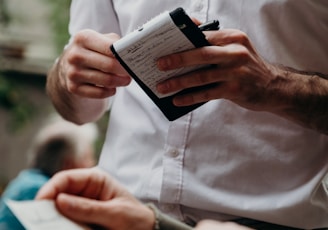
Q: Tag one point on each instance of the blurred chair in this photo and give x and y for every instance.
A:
(59, 145)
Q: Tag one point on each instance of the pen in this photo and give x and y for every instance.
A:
(210, 25)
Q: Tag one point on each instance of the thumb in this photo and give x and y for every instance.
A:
(113, 36)
(82, 210)
(196, 21)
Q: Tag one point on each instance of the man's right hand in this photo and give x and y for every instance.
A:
(85, 75)
(88, 67)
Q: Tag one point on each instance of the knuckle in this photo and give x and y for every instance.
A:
(103, 93)
(207, 95)
(241, 37)
(234, 88)
(108, 81)
(72, 87)
(207, 55)
(206, 78)
(58, 176)
(113, 36)
(176, 60)
(240, 54)
(87, 209)
(199, 79)
(177, 83)
(243, 53)
(74, 56)
(107, 67)
(82, 36)
(72, 74)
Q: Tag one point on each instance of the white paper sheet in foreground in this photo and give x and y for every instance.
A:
(40, 215)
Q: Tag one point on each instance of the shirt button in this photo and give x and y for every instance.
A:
(174, 153)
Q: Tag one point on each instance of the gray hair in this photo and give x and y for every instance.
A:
(58, 141)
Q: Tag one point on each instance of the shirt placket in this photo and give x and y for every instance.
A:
(173, 159)
(199, 9)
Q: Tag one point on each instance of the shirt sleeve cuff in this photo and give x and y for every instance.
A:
(165, 222)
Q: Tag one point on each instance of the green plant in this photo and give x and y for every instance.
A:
(59, 18)
(13, 100)
(4, 14)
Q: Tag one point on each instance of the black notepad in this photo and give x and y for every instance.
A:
(168, 33)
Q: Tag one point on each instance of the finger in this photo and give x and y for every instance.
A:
(98, 187)
(112, 36)
(196, 21)
(72, 182)
(59, 183)
(197, 78)
(190, 80)
(92, 91)
(95, 90)
(227, 36)
(229, 55)
(95, 41)
(121, 212)
(97, 61)
(231, 90)
(83, 210)
(211, 92)
(94, 77)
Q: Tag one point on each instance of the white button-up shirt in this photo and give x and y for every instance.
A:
(221, 161)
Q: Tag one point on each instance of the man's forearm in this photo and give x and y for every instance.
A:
(307, 98)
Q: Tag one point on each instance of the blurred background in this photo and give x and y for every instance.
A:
(32, 35)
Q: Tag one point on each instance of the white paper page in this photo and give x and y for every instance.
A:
(141, 49)
(41, 215)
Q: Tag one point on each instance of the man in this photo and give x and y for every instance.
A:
(256, 152)
(58, 146)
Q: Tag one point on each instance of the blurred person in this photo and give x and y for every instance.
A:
(255, 152)
(59, 145)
